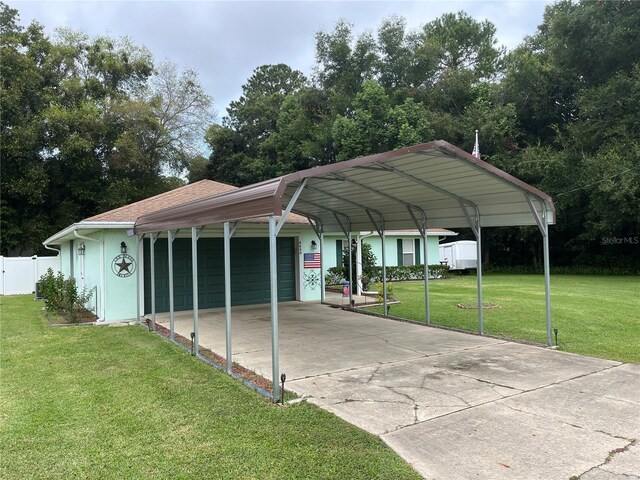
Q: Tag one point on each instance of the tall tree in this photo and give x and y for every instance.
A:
(344, 62)
(83, 129)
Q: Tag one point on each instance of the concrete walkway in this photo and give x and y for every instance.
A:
(454, 405)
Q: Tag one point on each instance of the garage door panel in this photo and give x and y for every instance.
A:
(249, 272)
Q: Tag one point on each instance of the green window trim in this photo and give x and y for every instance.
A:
(400, 252)
(417, 251)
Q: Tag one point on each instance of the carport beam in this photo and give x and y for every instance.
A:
(227, 293)
(273, 274)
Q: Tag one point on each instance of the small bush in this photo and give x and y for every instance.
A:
(335, 276)
(381, 292)
(61, 296)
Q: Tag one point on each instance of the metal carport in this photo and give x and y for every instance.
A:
(434, 184)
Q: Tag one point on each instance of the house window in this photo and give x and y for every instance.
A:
(408, 252)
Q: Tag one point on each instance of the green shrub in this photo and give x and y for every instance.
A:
(409, 272)
(61, 296)
(381, 292)
(335, 276)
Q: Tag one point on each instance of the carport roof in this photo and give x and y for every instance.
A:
(445, 182)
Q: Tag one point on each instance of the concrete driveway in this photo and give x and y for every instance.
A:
(454, 405)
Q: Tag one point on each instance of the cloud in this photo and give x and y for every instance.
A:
(225, 41)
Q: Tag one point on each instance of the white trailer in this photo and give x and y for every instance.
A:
(461, 255)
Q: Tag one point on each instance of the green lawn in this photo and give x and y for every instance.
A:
(594, 315)
(107, 402)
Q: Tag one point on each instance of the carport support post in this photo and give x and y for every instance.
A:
(194, 267)
(547, 279)
(273, 273)
(227, 292)
(479, 274)
(427, 306)
(152, 242)
(384, 273)
(170, 238)
(322, 285)
(349, 239)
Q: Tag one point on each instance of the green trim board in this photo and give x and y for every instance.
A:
(249, 272)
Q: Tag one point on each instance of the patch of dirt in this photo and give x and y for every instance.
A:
(84, 317)
(238, 369)
(485, 306)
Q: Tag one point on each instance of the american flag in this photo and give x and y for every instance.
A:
(476, 148)
(311, 260)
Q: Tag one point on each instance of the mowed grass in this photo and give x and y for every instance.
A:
(120, 402)
(595, 315)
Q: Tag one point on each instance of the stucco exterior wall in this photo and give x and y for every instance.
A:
(391, 249)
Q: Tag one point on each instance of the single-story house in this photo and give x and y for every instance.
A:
(402, 247)
(251, 244)
(105, 260)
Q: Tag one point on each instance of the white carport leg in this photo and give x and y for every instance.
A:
(152, 242)
(194, 274)
(543, 226)
(170, 238)
(384, 273)
(350, 250)
(422, 228)
(479, 274)
(427, 306)
(322, 285)
(273, 274)
(227, 293)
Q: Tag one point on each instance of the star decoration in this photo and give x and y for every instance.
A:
(123, 265)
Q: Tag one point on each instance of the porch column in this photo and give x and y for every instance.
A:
(273, 274)
(139, 277)
(194, 274)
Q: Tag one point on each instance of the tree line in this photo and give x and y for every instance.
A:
(560, 111)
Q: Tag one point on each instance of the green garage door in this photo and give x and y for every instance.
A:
(249, 272)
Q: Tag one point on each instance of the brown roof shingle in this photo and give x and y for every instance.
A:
(172, 198)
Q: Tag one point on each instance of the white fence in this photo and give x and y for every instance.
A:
(20, 274)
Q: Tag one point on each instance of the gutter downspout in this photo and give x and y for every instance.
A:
(53, 249)
(101, 317)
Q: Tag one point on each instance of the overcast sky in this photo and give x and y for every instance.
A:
(225, 41)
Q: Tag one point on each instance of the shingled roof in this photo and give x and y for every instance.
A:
(173, 198)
